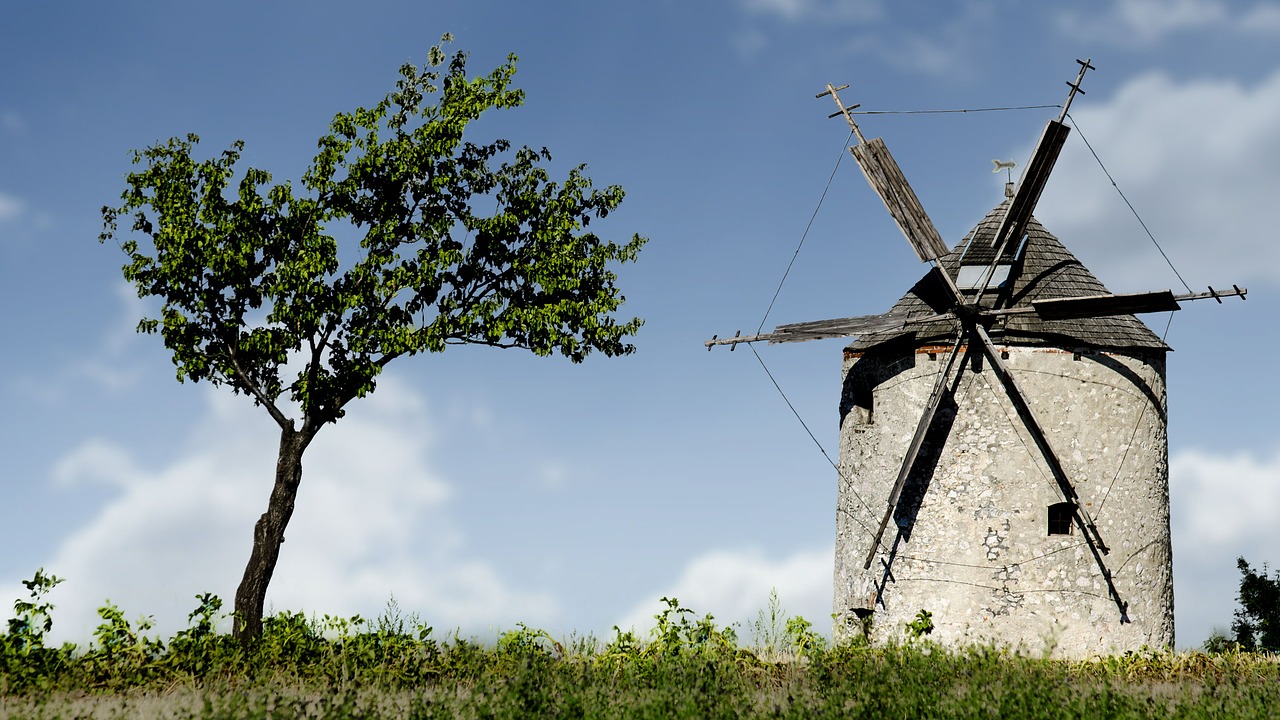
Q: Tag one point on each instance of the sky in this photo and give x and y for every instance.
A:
(483, 487)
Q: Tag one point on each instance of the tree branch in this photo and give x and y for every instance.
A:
(283, 421)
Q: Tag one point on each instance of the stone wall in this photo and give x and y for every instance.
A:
(970, 538)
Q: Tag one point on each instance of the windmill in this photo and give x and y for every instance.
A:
(996, 529)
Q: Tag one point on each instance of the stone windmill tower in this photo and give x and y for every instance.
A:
(1003, 452)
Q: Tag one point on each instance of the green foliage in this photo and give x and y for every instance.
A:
(1219, 643)
(122, 652)
(460, 241)
(249, 272)
(675, 634)
(32, 618)
(1257, 621)
(392, 667)
(24, 659)
(922, 625)
(525, 642)
(198, 650)
(775, 635)
(769, 630)
(804, 640)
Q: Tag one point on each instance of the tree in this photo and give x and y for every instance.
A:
(1257, 623)
(255, 280)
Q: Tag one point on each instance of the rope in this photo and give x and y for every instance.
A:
(1133, 210)
(765, 318)
(812, 437)
(1138, 423)
(940, 112)
(803, 235)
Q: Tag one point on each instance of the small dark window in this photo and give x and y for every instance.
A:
(857, 402)
(1060, 517)
(864, 407)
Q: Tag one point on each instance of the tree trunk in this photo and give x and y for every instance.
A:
(268, 535)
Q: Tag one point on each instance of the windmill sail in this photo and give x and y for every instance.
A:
(891, 185)
(845, 327)
(1042, 297)
(1105, 305)
(1030, 185)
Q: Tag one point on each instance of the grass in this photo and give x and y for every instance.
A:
(687, 667)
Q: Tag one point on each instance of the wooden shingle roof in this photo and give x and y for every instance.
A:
(1042, 269)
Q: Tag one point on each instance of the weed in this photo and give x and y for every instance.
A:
(32, 618)
(922, 625)
(769, 631)
(804, 640)
(394, 666)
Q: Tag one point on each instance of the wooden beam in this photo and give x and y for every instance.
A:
(886, 178)
(913, 450)
(1034, 177)
(1113, 304)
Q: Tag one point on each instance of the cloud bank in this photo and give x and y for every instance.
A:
(1146, 22)
(1224, 507)
(1195, 158)
(372, 521)
(734, 585)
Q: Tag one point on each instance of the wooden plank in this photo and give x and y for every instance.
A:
(921, 227)
(1235, 290)
(842, 327)
(1034, 177)
(886, 178)
(1088, 527)
(736, 339)
(847, 327)
(1105, 305)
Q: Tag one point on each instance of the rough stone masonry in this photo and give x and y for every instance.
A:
(979, 537)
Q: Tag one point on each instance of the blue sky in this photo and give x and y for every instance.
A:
(485, 487)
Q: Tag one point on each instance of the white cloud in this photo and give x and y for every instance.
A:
(1224, 507)
(944, 50)
(1146, 22)
(734, 585)
(921, 54)
(371, 521)
(818, 10)
(1261, 19)
(10, 207)
(1196, 158)
(111, 365)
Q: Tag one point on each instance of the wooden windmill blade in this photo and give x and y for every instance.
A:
(1105, 305)
(1030, 185)
(886, 178)
(1092, 306)
(1035, 175)
(848, 327)
(822, 329)
(1088, 528)
(1036, 430)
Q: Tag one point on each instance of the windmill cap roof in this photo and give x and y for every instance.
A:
(1041, 269)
